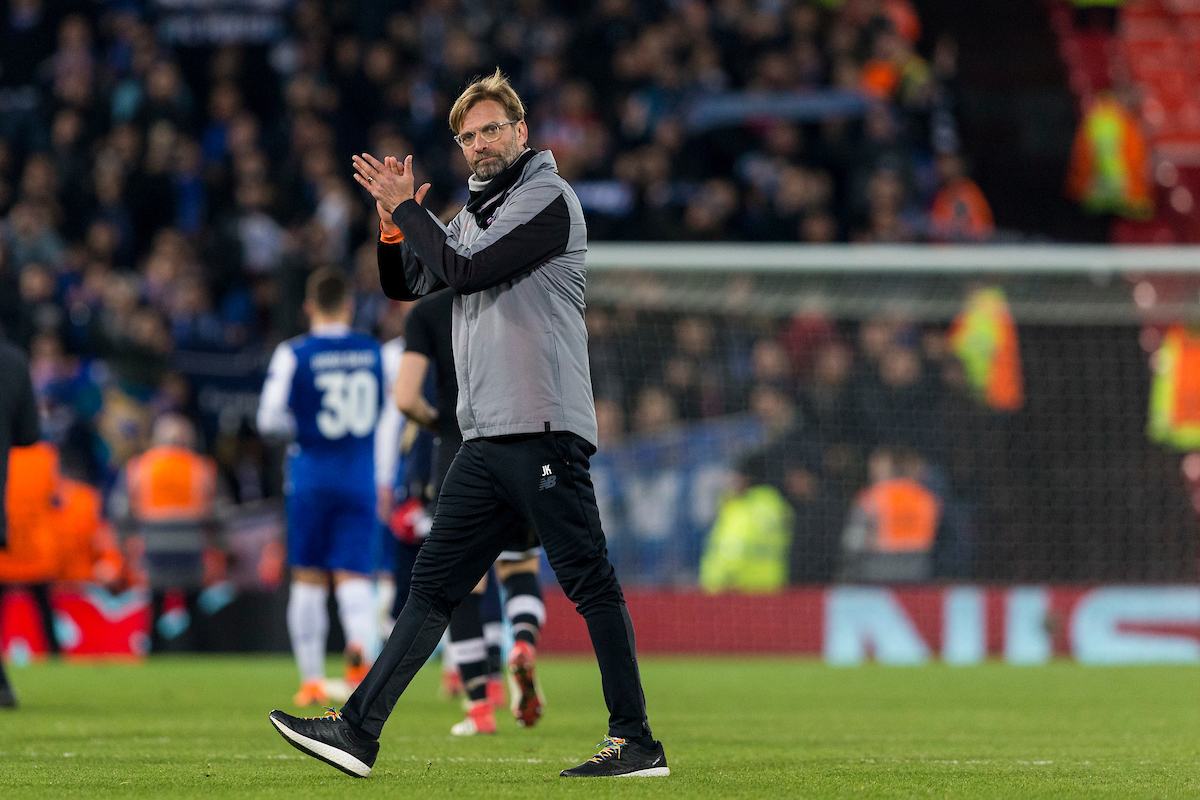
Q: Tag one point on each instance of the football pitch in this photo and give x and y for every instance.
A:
(753, 728)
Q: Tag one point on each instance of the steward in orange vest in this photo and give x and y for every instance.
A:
(89, 551)
(893, 525)
(31, 501)
(1175, 390)
(959, 212)
(1110, 162)
(984, 337)
(167, 498)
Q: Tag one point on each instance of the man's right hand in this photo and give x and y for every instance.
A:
(390, 182)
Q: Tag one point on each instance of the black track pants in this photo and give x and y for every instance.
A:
(543, 479)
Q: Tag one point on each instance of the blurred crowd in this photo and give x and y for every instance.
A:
(162, 202)
(843, 408)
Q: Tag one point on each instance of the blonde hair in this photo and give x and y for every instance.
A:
(494, 87)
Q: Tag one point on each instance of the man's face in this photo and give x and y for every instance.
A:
(489, 159)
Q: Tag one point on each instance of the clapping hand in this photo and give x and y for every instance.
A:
(390, 182)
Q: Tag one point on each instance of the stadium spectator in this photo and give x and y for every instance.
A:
(168, 499)
(960, 212)
(818, 508)
(29, 235)
(655, 412)
(89, 550)
(32, 555)
(610, 422)
(747, 548)
(695, 375)
(895, 402)
(893, 524)
(68, 399)
(26, 40)
(40, 309)
(18, 428)
(608, 372)
(195, 325)
(770, 364)
(792, 464)
(829, 405)
(773, 407)
(1110, 165)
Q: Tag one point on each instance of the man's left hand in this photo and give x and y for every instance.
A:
(390, 182)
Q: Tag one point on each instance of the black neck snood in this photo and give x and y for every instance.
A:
(486, 196)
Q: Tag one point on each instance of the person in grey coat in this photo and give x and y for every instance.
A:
(514, 256)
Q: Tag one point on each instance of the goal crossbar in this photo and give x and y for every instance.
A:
(960, 259)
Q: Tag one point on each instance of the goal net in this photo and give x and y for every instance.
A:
(1015, 414)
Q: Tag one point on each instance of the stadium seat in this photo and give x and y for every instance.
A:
(1127, 231)
(1143, 10)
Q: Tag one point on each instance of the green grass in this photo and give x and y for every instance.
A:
(197, 727)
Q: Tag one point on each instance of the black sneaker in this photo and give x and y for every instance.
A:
(619, 758)
(329, 738)
(7, 698)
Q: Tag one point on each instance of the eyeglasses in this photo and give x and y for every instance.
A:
(489, 132)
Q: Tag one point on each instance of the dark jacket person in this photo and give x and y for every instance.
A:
(18, 414)
(19, 427)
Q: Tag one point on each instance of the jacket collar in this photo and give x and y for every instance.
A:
(486, 196)
(331, 330)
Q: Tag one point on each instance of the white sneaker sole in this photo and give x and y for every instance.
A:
(648, 772)
(652, 772)
(330, 755)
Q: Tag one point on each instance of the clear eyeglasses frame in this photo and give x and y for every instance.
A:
(489, 132)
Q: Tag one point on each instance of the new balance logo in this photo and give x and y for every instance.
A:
(549, 480)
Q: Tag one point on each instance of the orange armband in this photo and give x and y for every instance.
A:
(390, 238)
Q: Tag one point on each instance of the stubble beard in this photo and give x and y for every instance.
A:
(499, 161)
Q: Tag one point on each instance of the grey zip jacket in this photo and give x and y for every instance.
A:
(520, 345)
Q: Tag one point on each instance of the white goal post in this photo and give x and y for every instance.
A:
(1054, 259)
(1045, 284)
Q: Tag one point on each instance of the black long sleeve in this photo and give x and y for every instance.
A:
(26, 427)
(401, 274)
(534, 228)
(19, 425)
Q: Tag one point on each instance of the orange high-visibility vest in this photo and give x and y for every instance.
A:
(1110, 162)
(171, 484)
(960, 211)
(30, 501)
(1175, 390)
(984, 337)
(88, 550)
(1185, 406)
(172, 493)
(906, 515)
(879, 79)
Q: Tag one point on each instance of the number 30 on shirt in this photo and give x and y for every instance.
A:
(349, 403)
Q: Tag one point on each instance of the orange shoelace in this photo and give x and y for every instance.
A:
(610, 748)
(330, 714)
